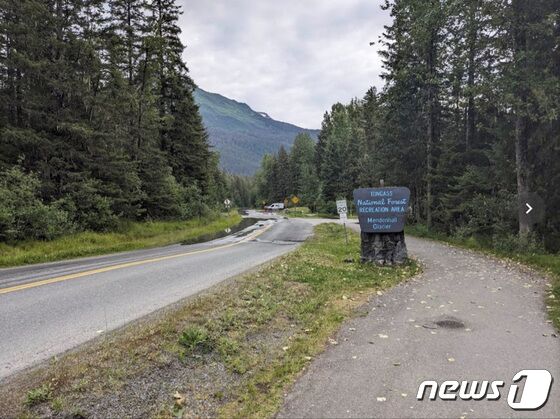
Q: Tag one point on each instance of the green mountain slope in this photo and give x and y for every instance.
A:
(240, 134)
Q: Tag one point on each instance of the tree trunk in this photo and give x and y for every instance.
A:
(521, 121)
(432, 115)
(471, 39)
(522, 166)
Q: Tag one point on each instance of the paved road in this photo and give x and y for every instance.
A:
(49, 308)
(380, 360)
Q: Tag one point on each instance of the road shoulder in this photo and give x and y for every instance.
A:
(227, 352)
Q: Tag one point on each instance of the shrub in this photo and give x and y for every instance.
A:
(509, 243)
(196, 339)
(23, 215)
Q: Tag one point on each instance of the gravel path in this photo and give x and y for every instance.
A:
(494, 325)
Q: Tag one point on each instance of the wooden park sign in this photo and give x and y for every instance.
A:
(382, 214)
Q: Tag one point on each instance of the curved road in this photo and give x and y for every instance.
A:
(466, 317)
(49, 308)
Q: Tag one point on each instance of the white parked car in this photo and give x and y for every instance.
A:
(274, 207)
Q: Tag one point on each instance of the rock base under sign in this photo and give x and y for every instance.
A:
(384, 248)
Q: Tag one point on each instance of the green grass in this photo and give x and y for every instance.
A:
(305, 212)
(130, 236)
(297, 211)
(545, 262)
(242, 344)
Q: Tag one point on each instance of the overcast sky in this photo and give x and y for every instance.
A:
(291, 58)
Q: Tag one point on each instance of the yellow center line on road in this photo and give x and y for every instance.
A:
(125, 265)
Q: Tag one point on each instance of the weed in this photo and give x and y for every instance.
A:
(38, 395)
(57, 405)
(196, 340)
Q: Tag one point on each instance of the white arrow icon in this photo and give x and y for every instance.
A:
(530, 208)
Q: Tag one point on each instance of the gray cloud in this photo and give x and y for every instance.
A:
(292, 59)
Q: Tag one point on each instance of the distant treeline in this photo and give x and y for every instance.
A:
(468, 120)
(97, 118)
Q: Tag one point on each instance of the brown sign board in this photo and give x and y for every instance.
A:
(382, 210)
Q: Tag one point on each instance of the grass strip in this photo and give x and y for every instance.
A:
(547, 263)
(230, 352)
(130, 236)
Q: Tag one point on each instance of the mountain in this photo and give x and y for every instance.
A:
(241, 135)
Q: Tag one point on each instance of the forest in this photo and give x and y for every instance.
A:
(97, 119)
(468, 119)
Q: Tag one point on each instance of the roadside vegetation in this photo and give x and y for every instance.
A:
(305, 212)
(128, 236)
(229, 352)
(529, 253)
(104, 128)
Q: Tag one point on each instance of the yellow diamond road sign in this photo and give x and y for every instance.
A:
(295, 200)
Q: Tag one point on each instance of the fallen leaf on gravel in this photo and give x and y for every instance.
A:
(404, 394)
(396, 364)
(332, 341)
(467, 330)
(352, 329)
(381, 399)
(354, 357)
(451, 359)
(379, 293)
(179, 399)
(382, 336)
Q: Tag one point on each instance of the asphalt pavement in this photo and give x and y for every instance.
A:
(467, 317)
(49, 308)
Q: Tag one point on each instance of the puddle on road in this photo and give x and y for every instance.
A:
(447, 322)
(450, 324)
(245, 222)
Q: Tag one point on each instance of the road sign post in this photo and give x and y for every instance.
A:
(342, 209)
